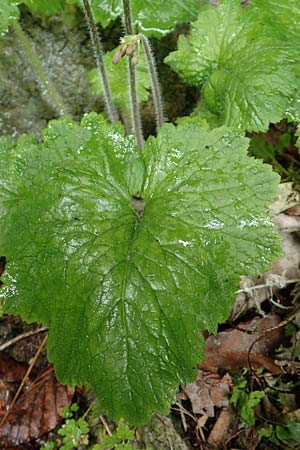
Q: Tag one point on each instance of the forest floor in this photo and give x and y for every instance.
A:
(247, 392)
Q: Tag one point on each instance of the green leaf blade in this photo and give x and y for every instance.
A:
(152, 18)
(129, 257)
(9, 11)
(45, 6)
(247, 72)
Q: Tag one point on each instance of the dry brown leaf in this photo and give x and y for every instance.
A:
(229, 349)
(208, 391)
(293, 211)
(36, 412)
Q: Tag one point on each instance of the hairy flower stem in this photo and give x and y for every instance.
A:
(155, 86)
(135, 109)
(33, 58)
(98, 53)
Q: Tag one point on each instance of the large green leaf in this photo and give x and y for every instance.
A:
(118, 80)
(281, 16)
(128, 257)
(152, 17)
(105, 11)
(247, 72)
(8, 11)
(45, 6)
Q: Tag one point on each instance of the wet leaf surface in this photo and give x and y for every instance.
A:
(127, 292)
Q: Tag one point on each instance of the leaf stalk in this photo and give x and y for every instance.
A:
(33, 58)
(98, 54)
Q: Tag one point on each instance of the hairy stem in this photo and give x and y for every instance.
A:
(127, 16)
(135, 109)
(155, 86)
(98, 52)
(33, 58)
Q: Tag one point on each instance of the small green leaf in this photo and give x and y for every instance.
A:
(123, 432)
(246, 72)
(294, 430)
(9, 11)
(124, 447)
(128, 257)
(48, 446)
(152, 17)
(245, 402)
(118, 80)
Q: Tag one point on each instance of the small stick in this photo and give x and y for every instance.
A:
(182, 416)
(22, 336)
(39, 350)
(261, 286)
(104, 423)
(264, 334)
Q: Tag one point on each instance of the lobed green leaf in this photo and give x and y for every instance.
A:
(246, 69)
(128, 257)
(151, 17)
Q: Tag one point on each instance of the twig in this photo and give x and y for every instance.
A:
(181, 408)
(261, 286)
(264, 334)
(33, 58)
(39, 350)
(98, 53)
(182, 416)
(87, 411)
(104, 423)
(22, 336)
(155, 86)
(278, 304)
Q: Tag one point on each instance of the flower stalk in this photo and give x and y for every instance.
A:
(135, 109)
(98, 53)
(155, 85)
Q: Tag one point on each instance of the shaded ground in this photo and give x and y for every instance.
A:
(232, 404)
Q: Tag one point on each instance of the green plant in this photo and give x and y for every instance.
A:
(129, 256)
(245, 401)
(285, 435)
(74, 432)
(131, 246)
(152, 17)
(119, 440)
(245, 61)
(278, 153)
